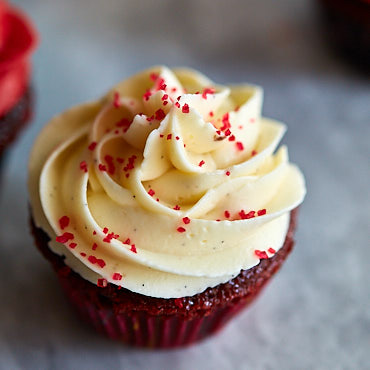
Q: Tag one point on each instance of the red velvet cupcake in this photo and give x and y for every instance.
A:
(163, 207)
(347, 26)
(18, 39)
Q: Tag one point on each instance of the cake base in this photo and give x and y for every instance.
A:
(12, 122)
(145, 321)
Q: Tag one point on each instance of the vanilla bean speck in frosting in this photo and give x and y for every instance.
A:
(166, 186)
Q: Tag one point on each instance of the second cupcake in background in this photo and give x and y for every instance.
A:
(163, 206)
(18, 40)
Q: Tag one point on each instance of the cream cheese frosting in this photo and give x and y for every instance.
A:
(166, 186)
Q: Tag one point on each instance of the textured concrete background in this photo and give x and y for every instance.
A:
(316, 312)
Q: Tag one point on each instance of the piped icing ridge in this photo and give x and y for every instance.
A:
(168, 185)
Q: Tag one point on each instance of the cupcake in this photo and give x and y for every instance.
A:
(165, 206)
(17, 41)
(347, 26)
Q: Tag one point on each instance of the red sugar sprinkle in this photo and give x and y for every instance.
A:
(173, 89)
(149, 119)
(127, 175)
(133, 248)
(165, 97)
(94, 232)
(186, 220)
(72, 245)
(271, 250)
(165, 102)
(228, 132)
(161, 135)
(64, 238)
(177, 104)
(120, 160)
(208, 90)
(245, 216)
(116, 100)
(232, 138)
(92, 259)
(176, 208)
(159, 114)
(261, 212)
(102, 167)
(127, 241)
(227, 214)
(211, 114)
(181, 229)
(105, 230)
(124, 122)
(201, 163)
(178, 98)
(94, 246)
(109, 237)
(227, 173)
(92, 146)
(157, 199)
(185, 108)
(116, 276)
(261, 254)
(111, 167)
(100, 262)
(83, 254)
(151, 192)
(83, 166)
(169, 136)
(147, 95)
(162, 85)
(64, 222)
(102, 283)
(253, 153)
(177, 138)
(226, 122)
(154, 76)
(239, 145)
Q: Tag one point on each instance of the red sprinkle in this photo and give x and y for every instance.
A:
(165, 102)
(176, 208)
(226, 122)
(159, 114)
(72, 245)
(100, 262)
(169, 136)
(105, 230)
(227, 132)
(271, 250)
(83, 254)
(83, 166)
(94, 246)
(181, 229)
(177, 104)
(94, 232)
(133, 248)
(245, 216)
(261, 254)
(111, 167)
(165, 97)
(201, 163)
(64, 222)
(151, 192)
(92, 146)
(64, 238)
(116, 276)
(261, 212)
(116, 100)
(102, 167)
(120, 160)
(227, 214)
(231, 138)
(102, 283)
(177, 138)
(211, 114)
(227, 173)
(127, 241)
(154, 76)
(239, 145)
(185, 108)
(186, 220)
(253, 153)
(147, 95)
(92, 259)
(208, 90)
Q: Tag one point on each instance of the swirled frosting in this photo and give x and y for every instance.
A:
(166, 186)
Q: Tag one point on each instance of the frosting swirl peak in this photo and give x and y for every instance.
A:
(166, 186)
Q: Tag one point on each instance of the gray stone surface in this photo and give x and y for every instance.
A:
(316, 312)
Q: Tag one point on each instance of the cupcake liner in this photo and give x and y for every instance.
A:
(143, 330)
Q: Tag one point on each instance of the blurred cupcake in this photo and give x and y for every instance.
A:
(347, 24)
(163, 207)
(18, 39)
